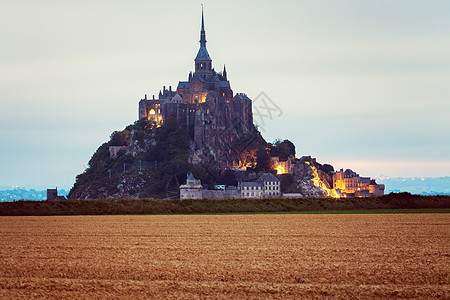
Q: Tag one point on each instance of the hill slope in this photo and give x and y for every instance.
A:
(144, 161)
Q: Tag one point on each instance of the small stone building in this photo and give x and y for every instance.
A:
(52, 194)
(192, 189)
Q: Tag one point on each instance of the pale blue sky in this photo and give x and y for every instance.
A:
(362, 84)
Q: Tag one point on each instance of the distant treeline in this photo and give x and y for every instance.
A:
(213, 206)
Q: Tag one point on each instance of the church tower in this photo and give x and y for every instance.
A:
(203, 62)
(206, 106)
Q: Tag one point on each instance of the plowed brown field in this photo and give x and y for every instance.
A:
(226, 256)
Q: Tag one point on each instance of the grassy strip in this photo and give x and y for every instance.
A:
(386, 204)
(384, 211)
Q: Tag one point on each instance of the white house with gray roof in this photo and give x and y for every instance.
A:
(266, 186)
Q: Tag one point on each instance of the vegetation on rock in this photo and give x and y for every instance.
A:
(154, 162)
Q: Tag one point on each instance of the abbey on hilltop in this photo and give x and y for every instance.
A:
(204, 104)
(205, 128)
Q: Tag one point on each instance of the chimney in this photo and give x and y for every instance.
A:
(145, 97)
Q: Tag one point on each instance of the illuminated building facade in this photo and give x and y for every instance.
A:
(282, 167)
(204, 104)
(349, 184)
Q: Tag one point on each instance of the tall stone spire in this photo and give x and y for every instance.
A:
(224, 73)
(203, 62)
(202, 31)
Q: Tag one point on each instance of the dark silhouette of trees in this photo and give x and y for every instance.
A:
(120, 138)
(282, 149)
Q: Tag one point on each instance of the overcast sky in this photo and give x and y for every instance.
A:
(361, 84)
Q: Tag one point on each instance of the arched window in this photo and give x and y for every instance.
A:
(152, 111)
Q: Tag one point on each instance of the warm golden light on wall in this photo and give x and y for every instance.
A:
(202, 97)
(319, 183)
(339, 184)
(280, 170)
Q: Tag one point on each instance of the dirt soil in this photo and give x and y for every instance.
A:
(274, 256)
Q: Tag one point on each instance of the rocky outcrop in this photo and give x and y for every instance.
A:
(303, 176)
(148, 161)
(135, 147)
